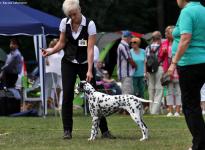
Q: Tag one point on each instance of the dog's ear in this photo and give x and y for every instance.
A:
(81, 85)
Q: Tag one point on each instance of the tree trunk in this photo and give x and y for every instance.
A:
(160, 15)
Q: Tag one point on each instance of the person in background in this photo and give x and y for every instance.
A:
(77, 39)
(12, 66)
(189, 58)
(153, 72)
(53, 74)
(103, 77)
(165, 56)
(138, 55)
(125, 63)
(203, 99)
(96, 55)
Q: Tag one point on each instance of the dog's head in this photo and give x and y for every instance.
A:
(85, 86)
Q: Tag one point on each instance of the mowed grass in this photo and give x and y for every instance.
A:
(36, 133)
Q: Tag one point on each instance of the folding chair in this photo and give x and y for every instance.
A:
(37, 99)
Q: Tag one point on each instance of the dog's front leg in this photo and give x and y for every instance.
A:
(94, 129)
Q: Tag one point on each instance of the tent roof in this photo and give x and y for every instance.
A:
(105, 38)
(19, 19)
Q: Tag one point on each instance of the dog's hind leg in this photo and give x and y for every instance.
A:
(94, 129)
(137, 118)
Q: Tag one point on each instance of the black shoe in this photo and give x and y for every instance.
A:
(107, 135)
(67, 135)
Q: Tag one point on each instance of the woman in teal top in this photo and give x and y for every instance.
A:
(138, 55)
(189, 58)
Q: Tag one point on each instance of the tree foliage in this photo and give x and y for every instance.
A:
(114, 15)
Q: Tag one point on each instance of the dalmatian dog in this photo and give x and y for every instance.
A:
(101, 104)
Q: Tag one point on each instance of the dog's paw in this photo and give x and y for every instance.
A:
(143, 139)
(91, 139)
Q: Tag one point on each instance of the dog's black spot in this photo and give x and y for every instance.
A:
(100, 101)
(92, 105)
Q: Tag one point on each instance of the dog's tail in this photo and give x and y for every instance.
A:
(145, 101)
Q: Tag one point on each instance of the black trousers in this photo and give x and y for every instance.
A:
(191, 80)
(69, 73)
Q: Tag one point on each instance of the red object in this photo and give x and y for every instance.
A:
(139, 35)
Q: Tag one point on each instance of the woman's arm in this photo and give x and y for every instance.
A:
(90, 55)
(183, 45)
(163, 53)
(59, 46)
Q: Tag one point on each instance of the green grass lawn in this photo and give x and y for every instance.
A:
(36, 133)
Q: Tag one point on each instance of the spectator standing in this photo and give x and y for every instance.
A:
(138, 55)
(53, 73)
(125, 64)
(189, 57)
(13, 65)
(154, 73)
(165, 56)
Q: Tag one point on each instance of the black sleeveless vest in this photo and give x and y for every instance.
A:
(72, 50)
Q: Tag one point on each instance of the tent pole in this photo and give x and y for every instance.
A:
(42, 73)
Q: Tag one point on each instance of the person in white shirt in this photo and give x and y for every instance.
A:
(96, 55)
(53, 73)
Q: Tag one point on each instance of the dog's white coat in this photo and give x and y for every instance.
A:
(101, 104)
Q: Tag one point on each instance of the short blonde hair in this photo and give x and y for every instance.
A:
(53, 43)
(137, 40)
(69, 5)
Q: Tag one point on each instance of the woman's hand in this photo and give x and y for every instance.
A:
(89, 76)
(46, 52)
(164, 50)
(171, 69)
